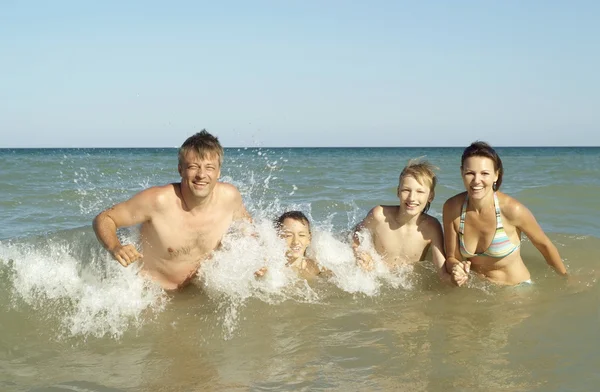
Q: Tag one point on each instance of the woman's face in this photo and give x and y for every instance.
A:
(479, 175)
(297, 237)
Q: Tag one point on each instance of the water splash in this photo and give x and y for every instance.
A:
(88, 297)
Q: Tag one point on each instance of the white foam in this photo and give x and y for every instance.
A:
(92, 297)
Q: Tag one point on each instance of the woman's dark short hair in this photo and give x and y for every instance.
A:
(482, 149)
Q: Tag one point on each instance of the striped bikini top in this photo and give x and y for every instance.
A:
(500, 246)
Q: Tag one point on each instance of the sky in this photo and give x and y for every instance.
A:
(306, 73)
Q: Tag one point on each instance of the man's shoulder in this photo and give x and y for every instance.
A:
(227, 187)
(228, 190)
(158, 195)
(159, 191)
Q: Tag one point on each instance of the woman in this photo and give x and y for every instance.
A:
(483, 226)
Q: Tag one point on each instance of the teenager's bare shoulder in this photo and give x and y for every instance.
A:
(385, 212)
(430, 225)
(374, 215)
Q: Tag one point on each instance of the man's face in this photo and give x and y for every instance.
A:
(200, 175)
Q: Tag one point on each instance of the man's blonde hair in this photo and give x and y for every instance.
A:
(204, 144)
(422, 171)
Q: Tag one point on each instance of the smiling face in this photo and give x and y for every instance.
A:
(479, 175)
(413, 195)
(199, 175)
(297, 237)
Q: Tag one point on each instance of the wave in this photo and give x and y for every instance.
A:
(70, 279)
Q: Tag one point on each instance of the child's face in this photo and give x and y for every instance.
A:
(413, 196)
(297, 237)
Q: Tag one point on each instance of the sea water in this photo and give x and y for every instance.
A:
(75, 320)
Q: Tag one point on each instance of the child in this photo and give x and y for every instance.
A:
(294, 227)
(404, 233)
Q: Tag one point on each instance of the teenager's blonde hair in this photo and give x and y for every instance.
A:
(422, 171)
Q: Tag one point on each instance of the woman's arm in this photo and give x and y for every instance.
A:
(524, 220)
(455, 266)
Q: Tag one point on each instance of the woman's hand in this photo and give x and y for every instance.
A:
(460, 273)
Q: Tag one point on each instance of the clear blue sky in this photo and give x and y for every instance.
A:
(299, 73)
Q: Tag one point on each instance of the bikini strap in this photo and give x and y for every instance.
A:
(463, 212)
(498, 216)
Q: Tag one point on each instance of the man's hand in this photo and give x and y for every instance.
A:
(460, 273)
(126, 254)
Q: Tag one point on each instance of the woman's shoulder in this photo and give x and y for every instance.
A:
(509, 206)
(456, 200)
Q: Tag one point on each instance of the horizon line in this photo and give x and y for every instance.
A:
(282, 147)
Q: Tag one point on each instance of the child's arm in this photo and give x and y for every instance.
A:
(261, 272)
(437, 250)
(363, 259)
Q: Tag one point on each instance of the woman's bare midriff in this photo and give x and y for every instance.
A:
(504, 272)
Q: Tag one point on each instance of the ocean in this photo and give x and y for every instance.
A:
(73, 319)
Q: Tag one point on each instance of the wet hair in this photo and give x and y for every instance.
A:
(424, 173)
(295, 215)
(204, 144)
(482, 149)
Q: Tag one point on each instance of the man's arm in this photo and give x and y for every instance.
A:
(128, 213)
(241, 213)
(234, 198)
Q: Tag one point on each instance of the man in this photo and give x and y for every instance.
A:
(181, 223)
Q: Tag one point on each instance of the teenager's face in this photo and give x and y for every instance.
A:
(199, 175)
(413, 195)
(479, 176)
(297, 237)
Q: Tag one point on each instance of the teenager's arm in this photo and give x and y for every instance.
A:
(363, 259)
(437, 250)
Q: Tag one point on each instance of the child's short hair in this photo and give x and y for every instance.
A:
(295, 215)
(424, 173)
